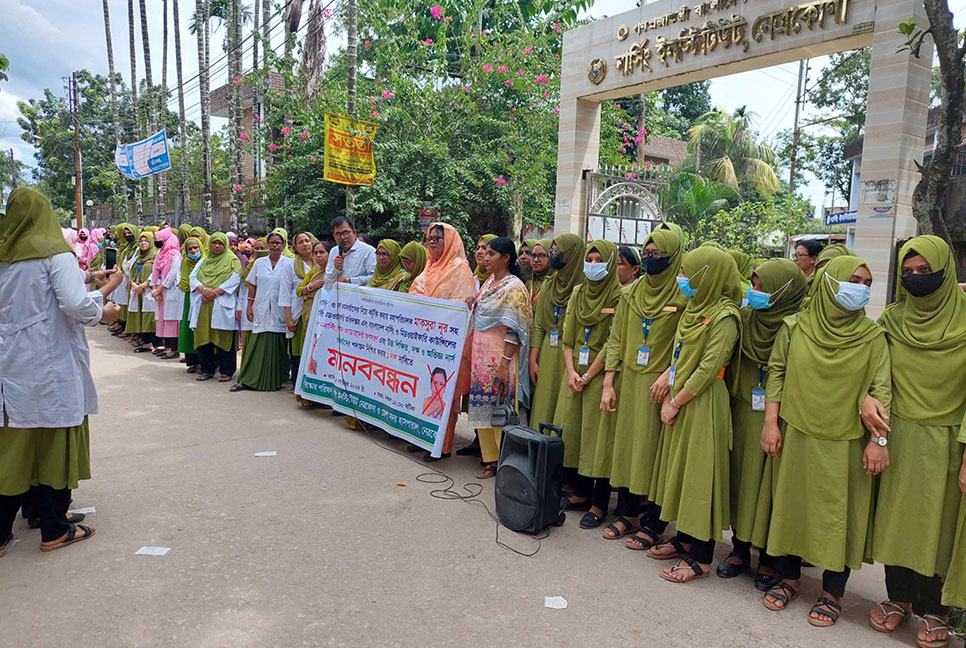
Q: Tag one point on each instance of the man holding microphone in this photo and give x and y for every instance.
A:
(355, 262)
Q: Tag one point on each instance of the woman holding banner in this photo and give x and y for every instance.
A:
(291, 302)
(413, 259)
(501, 329)
(448, 276)
(313, 281)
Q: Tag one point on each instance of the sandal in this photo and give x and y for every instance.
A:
(170, 356)
(615, 533)
(159, 352)
(488, 472)
(679, 550)
(764, 582)
(237, 387)
(894, 608)
(578, 506)
(224, 378)
(193, 369)
(928, 629)
(639, 542)
(142, 349)
(203, 376)
(831, 609)
(591, 521)
(732, 570)
(687, 562)
(781, 592)
(69, 538)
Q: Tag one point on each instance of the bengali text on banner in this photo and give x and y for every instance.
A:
(389, 359)
(348, 150)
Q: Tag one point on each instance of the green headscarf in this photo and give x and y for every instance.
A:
(200, 234)
(527, 274)
(415, 252)
(285, 251)
(674, 227)
(786, 283)
(595, 296)
(388, 278)
(712, 244)
(300, 267)
(218, 268)
(743, 261)
(830, 252)
(651, 293)
(124, 249)
(481, 274)
(188, 265)
(930, 388)
(184, 233)
(256, 254)
(538, 278)
(144, 261)
(29, 230)
(560, 286)
(830, 361)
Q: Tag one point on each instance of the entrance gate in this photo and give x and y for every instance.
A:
(624, 204)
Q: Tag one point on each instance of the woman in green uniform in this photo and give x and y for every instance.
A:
(546, 358)
(586, 328)
(918, 498)
(823, 364)
(214, 285)
(691, 480)
(745, 267)
(540, 253)
(638, 351)
(186, 337)
(776, 291)
(525, 259)
(142, 307)
(954, 589)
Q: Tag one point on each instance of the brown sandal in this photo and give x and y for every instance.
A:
(895, 608)
(204, 376)
(488, 472)
(781, 592)
(69, 538)
(638, 542)
(943, 625)
(679, 551)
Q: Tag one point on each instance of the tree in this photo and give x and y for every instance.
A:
(755, 227)
(690, 199)
(121, 190)
(722, 148)
(150, 121)
(185, 203)
(237, 219)
(136, 130)
(4, 66)
(684, 104)
(201, 29)
(841, 91)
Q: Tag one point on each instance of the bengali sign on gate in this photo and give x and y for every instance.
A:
(348, 150)
(389, 359)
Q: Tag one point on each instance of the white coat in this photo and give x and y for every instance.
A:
(223, 309)
(173, 296)
(269, 316)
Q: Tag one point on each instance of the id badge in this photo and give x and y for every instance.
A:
(554, 338)
(643, 355)
(583, 358)
(758, 399)
(671, 376)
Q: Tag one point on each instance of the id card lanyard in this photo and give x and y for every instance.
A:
(674, 363)
(758, 393)
(554, 332)
(583, 358)
(644, 351)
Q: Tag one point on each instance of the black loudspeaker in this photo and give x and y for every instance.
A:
(529, 478)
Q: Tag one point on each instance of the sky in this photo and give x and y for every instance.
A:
(48, 39)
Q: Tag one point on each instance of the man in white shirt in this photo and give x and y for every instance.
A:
(354, 262)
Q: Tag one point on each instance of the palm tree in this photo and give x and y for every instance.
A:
(146, 44)
(234, 110)
(722, 148)
(314, 51)
(182, 123)
(132, 48)
(202, 34)
(690, 198)
(119, 188)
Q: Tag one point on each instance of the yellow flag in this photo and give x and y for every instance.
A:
(348, 150)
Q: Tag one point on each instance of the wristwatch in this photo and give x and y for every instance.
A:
(674, 402)
(583, 377)
(881, 441)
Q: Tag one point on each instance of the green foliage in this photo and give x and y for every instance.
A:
(4, 66)
(841, 90)
(723, 148)
(755, 227)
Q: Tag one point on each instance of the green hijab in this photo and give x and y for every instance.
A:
(388, 278)
(829, 252)
(126, 250)
(651, 293)
(200, 234)
(481, 274)
(188, 265)
(830, 361)
(538, 278)
(285, 251)
(712, 244)
(184, 233)
(786, 283)
(928, 341)
(144, 260)
(596, 296)
(29, 230)
(743, 261)
(413, 251)
(674, 227)
(527, 274)
(217, 268)
(299, 265)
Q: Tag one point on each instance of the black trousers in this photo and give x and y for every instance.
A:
(742, 550)
(209, 356)
(191, 359)
(171, 343)
(628, 504)
(652, 519)
(833, 582)
(598, 490)
(923, 592)
(701, 550)
(52, 508)
(294, 367)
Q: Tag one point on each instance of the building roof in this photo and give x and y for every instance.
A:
(665, 150)
(219, 96)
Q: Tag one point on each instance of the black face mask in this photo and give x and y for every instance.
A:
(83, 238)
(656, 266)
(921, 285)
(159, 244)
(247, 253)
(129, 238)
(557, 261)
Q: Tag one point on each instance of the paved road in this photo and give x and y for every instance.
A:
(318, 546)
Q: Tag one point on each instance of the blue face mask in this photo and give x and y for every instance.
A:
(595, 271)
(195, 256)
(758, 300)
(684, 283)
(851, 296)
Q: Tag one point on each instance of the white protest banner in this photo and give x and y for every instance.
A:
(390, 359)
(144, 158)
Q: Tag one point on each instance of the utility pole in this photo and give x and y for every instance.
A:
(78, 172)
(352, 54)
(799, 102)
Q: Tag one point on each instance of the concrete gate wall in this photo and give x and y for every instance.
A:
(673, 42)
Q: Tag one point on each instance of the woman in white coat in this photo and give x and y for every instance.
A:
(214, 282)
(266, 363)
(46, 389)
(166, 292)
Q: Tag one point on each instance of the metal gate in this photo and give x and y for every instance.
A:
(624, 203)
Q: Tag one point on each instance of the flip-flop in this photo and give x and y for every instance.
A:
(943, 625)
(224, 379)
(70, 538)
(679, 551)
(689, 563)
(204, 376)
(895, 609)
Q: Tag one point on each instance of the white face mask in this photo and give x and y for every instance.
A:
(851, 296)
(595, 271)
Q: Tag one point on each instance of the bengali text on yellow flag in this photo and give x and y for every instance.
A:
(348, 150)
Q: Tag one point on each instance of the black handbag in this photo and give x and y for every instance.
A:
(504, 412)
